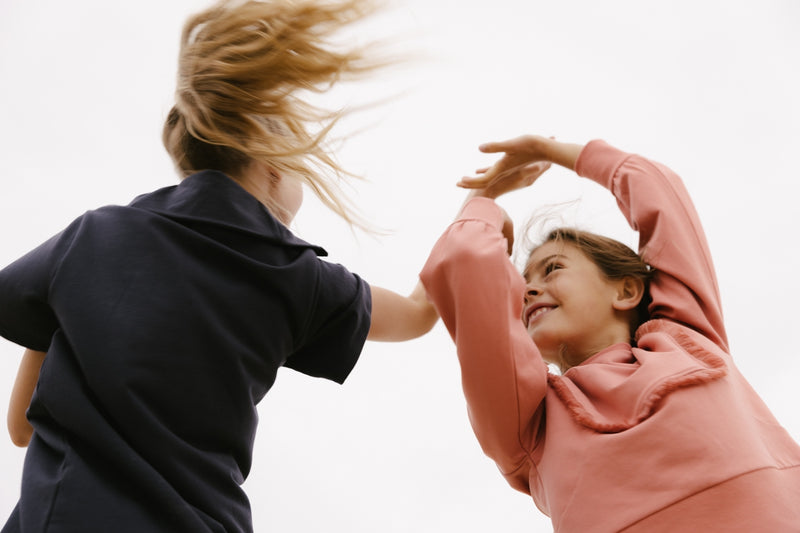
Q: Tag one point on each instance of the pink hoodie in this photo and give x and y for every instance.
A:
(664, 436)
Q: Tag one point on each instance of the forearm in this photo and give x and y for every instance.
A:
(479, 296)
(561, 153)
(19, 428)
(398, 318)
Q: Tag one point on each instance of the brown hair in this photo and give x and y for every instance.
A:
(614, 259)
(242, 69)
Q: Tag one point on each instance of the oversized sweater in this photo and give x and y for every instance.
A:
(665, 435)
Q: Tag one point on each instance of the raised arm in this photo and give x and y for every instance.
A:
(655, 202)
(479, 295)
(19, 428)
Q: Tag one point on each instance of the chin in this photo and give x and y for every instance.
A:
(548, 347)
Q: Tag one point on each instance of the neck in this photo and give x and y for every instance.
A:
(569, 355)
(255, 181)
(261, 182)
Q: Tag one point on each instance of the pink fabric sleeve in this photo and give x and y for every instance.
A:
(671, 239)
(479, 295)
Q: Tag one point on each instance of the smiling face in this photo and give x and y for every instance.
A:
(572, 310)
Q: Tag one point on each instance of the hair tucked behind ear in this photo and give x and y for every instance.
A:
(242, 69)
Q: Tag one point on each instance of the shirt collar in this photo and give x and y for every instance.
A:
(212, 197)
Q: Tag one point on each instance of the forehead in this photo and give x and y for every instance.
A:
(553, 250)
(550, 249)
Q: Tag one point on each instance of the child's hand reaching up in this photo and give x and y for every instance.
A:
(525, 159)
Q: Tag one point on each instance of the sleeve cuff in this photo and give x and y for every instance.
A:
(598, 161)
(484, 209)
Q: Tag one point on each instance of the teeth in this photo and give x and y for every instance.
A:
(539, 311)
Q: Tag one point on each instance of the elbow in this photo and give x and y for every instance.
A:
(21, 439)
(20, 432)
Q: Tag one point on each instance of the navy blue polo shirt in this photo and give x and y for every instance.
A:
(165, 322)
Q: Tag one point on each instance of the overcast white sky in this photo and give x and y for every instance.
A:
(709, 88)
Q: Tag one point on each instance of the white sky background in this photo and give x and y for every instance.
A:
(709, 88)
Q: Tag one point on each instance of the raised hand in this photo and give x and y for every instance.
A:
(524, 159)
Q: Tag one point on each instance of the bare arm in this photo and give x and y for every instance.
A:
(400, 318)
(19, 428)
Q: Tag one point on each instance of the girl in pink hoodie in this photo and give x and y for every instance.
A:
(649, 427)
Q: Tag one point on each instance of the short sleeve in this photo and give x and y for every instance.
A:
(338, 324)
(26, 317)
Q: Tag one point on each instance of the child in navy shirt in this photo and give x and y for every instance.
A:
(165, 321)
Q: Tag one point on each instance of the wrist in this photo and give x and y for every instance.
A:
(482, 193)
(563, 154)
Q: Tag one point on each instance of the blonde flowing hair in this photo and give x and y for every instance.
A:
(243, 68)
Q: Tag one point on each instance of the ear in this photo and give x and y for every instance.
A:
(274, 179)
(630, 292)
(274, 175)
(264, 170)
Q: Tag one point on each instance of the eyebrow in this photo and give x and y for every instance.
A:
(539, 264)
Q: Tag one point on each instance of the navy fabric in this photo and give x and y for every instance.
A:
(165, 323)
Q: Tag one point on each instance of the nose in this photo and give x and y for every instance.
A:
(531, 291)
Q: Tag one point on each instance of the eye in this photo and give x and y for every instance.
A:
(552, 266)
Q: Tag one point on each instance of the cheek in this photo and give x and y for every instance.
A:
(554, 287)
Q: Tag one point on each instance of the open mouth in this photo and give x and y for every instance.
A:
(536, 313)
